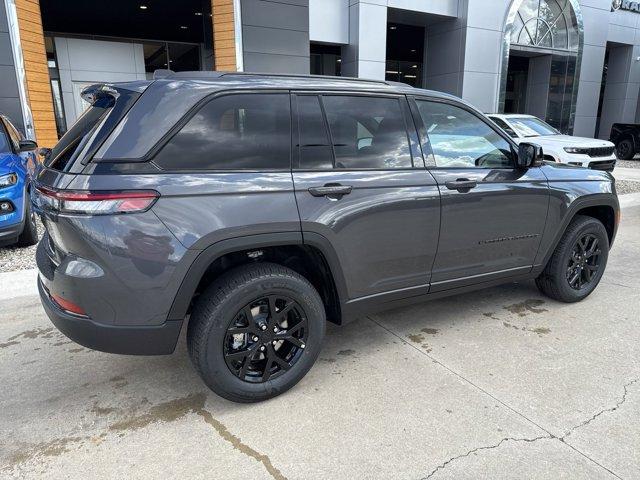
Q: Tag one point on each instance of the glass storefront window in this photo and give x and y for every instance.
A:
(405, 72)
(546, 24)
(326, 60)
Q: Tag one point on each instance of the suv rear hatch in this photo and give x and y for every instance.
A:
(108, 104)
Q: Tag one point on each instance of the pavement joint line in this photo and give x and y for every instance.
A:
(549, 434)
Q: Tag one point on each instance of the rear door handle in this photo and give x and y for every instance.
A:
(461, 184)
(334, 190)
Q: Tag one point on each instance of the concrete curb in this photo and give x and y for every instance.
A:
(21, 283)
(629, 200)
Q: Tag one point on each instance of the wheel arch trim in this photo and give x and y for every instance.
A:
(206, 257)
(595, 200)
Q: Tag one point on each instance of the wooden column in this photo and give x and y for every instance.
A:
(37, 72)
(224, 40)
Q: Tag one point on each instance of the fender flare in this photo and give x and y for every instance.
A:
(595, 200)
(207, 256)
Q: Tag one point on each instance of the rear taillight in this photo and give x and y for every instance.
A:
(94, 202)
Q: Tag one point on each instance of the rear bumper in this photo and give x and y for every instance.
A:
(126, 340)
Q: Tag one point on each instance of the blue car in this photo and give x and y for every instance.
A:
(17, 163)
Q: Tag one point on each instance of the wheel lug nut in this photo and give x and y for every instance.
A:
(255, 338)
(302, 346)
(275, 329)
(262, 348)
(274, 342)
(263, 327)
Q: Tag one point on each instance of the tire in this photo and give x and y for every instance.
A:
(555, 279)
(234, 297)
(29, 235)
(625, 149)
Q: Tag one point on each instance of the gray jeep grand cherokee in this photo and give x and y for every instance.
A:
(257, 207)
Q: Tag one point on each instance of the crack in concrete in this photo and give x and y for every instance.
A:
(606, 410)
(509, 407)
(488, 447)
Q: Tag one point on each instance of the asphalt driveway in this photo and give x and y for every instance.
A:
(501, 383)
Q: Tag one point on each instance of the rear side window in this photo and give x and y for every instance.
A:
(234, 132)
(367, 132)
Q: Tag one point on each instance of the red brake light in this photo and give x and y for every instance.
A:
(95, 202)
(67, 305)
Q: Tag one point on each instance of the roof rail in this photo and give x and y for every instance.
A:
(300, 75)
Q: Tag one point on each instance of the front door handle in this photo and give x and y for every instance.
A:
(461, 184)
(331, 190)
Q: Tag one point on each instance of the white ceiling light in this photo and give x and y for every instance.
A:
(143, 7)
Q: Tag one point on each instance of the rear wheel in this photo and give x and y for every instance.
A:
(256, 331)
(29, 235)
(625, 149)
(578, 262)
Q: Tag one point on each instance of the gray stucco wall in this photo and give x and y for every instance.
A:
(9, 95)
(275, 35)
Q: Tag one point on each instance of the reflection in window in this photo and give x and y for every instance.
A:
(459, 139)
(546, 24)
(367, 132)
(315, 148)
(234, 132)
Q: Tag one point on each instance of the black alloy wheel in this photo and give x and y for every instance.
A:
(578, 261)
(584, 262)
(256, 331)
(625, 150)
(266, 338)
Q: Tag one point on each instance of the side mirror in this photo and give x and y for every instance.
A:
(27, 146)
(529, 155)
(44, 152)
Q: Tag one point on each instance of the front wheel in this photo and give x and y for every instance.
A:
(29, 235)
(578, 262)
(256, 331)
(625, 149)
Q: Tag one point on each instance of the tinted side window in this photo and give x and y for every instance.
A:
(459, 139)
(367, 132)
(244, 131)
(14, 135)
(503, 125)
(314, 146)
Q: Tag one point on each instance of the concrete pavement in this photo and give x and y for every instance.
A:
(500, 383)
(621, 173)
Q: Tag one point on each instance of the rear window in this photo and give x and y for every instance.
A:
(78, 135)
(90, 130)
(233, 132)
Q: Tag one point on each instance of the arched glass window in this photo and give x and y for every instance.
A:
(549, 24)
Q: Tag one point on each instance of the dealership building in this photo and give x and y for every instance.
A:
(574, 63)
